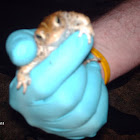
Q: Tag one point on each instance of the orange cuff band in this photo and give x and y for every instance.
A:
(104, 64)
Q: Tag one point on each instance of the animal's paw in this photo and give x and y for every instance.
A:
(23, 80)
(88, 31)
(90, 60)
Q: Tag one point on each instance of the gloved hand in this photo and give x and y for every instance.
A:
(65, 97)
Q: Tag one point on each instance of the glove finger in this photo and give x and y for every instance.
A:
(21, 47)
(76, 107)
(51, 73)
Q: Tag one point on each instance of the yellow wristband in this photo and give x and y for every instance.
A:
(104, 64)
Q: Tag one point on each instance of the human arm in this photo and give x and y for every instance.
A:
(117, 37)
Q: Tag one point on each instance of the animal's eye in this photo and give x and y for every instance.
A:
(38, 36)
(77, 24)
(57, 20)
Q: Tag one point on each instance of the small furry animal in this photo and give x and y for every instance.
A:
(52, 31)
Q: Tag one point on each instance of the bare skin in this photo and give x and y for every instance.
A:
(118, 37)
(52, 31)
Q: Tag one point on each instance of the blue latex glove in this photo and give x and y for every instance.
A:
(65, 97)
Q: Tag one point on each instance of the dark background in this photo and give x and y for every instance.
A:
(124, 97)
